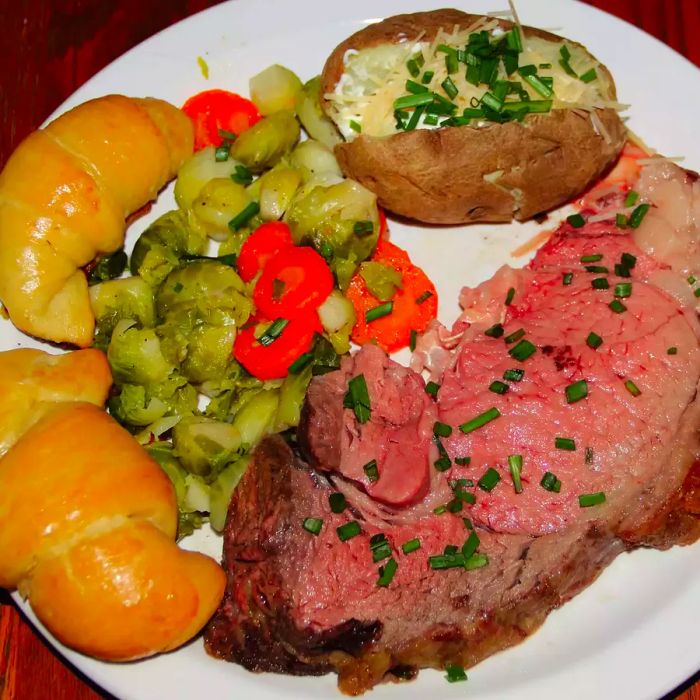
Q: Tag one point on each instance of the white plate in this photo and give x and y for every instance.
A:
(631, 635)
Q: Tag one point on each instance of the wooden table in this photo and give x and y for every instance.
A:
(48, 49)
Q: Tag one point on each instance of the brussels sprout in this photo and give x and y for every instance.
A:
(205, 446)
(313, 159)
(276, 191)
(132, 407)
(274, 89)
(197, 494)
(208, 352)
(337, 316)
(265, 143)
(256, 417)
(218, 202)
(162, 452)
(318, 126)
(135, 356)
(197, 171)
(230, 391)
(108, 267)
(340, 221)
(115, 300)
(292, 393)
(222, 489)
(204, 286)
(382, 280)
(160, 247)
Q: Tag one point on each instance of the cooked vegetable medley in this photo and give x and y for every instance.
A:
(237, 297)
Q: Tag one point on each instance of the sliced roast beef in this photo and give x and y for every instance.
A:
(451, 551)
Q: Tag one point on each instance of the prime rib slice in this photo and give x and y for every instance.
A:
(309, 604)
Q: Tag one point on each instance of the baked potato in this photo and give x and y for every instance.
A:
(453, 118)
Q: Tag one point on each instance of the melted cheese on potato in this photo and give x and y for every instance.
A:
(375, 77)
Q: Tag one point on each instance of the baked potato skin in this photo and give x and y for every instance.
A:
(437, 176)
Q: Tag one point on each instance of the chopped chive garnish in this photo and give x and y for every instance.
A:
(476, 561)
(588, 455)
(413, 67)
(363, 228)
(617, 306)
(227, 135)
(427, 77)
(242, 175)
(348, 531)
(379, 311)
(631, 198)
(510, 296)
(623, 290)
(589, 76)
(632, 388)
(413, 100)
(463, 461)
(514, 375)
(446, 561)
(450, 549)
(273, 331)
(673, 350)
(513, 39)
(538, 85)
(697, 292)
(637, 216)
(522, 350)
(465, 496)
(691, 280)
(449, 87)
(371, 471)
(415, 118)
(489, 480)
(380, 549)
(357, 398)
(598, 269)
(337, 502)
(313, 525)
(495, 331)
(515, 335)
(387, 572)
(430, 120)
(600, 283)
(544, 66)
(515, 464)
(549, 482)
(498, 387)
(424, 297)
(442, 429)
(440, 510)
(562, 443)
(628, 260)
(471, 545)
(594, 340)
(432, 388)
(567, 278)
(452, 66)
(620, 220)
(355, 126)
(413, 337)
(621, 270)
(480, 420)
(595, 257)
(244, 216)
(301, 363)
(455, 505)
(492, 102)
(443, 463)
(410, 546)
(576, 391)
(415, 88)
(586, 500)
(222, 152)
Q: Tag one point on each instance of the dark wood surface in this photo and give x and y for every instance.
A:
(48, 48)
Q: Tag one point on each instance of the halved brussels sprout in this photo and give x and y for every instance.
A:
(313, 160)
(277, 188)
(221, 490)
(205, 446)
(135, 356)
(274, 89)
(164, 243)
(318, 126)
(108, 267)
(292, 393)
(256, 417)
(267, 142)
(208, 352)
(197, 171)
(132, 407)
(340, 221)
(219, 201)
(115, 300)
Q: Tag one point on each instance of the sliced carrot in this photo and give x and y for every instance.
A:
(414, 306)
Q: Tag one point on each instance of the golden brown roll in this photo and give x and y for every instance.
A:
(88, 519)
(64, 196)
